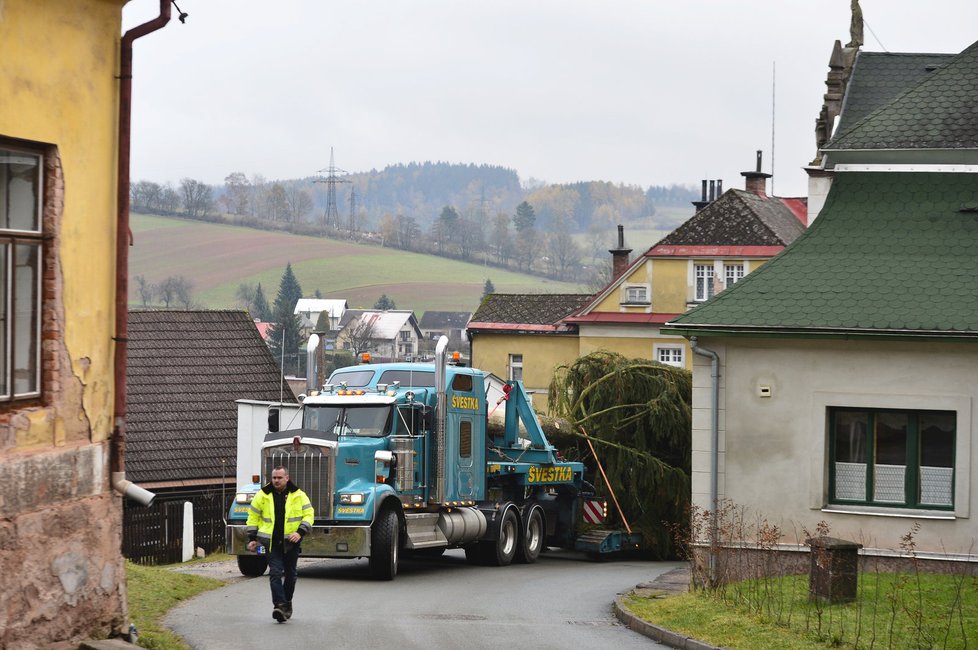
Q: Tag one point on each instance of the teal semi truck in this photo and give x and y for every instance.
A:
(399, 458)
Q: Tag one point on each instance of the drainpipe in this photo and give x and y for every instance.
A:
(117, 448)
(714, 450)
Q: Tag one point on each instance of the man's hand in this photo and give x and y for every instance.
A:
(295, 538)
(252, 545)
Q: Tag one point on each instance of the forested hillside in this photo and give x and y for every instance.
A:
(474, 213)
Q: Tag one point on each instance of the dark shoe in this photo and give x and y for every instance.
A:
(287, 608)
(279, 613)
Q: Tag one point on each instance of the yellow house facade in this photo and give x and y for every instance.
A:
(724, 241)
(59, 135)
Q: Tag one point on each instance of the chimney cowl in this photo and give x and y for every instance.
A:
(619, 256)
(756, 180)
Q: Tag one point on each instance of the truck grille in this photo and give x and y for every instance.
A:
(309, 468)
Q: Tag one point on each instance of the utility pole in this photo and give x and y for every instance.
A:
(331, 217)
(353, 209)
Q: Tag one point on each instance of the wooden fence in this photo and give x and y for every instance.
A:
(154, 535)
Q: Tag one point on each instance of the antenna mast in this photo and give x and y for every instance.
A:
(774, 67)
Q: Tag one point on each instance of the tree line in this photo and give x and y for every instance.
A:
(541, 233)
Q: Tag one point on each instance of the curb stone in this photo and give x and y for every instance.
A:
(657, 632)
(668, 584)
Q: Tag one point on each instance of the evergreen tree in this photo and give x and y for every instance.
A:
(384, 303)
(487, 288)
(637, 413)
(259, 305)
(525, 217)
(284, 335)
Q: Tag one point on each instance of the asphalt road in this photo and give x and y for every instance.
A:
(562, 601)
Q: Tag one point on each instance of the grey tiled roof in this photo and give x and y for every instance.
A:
(940, 112)
(528, 309)
(185, 371)
(738, 218)
(444, 320)
(879, 77)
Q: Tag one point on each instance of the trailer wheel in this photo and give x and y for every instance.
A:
(252, 565)
(531, 538)
(384, 543)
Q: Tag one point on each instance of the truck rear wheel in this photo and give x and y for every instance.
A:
(531, 537)
(252, 565)
(384, 546)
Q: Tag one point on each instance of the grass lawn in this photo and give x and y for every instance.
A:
(153, 591)
(218, 258)
(892, 611)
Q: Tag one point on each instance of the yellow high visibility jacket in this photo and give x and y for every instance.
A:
(261, 515)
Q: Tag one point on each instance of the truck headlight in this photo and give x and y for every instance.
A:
(243, 497)
(353, 498)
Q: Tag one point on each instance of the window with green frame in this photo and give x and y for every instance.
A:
(892, 458)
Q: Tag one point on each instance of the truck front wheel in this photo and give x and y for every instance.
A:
(384, 546)
(252, 565)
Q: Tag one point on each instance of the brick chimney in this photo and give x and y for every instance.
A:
(756, 180)
(619, 256)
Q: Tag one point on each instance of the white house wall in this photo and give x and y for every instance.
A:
(773, 450)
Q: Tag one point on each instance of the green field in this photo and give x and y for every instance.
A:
(218, 258)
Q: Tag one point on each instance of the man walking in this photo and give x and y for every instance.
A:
(279, 518)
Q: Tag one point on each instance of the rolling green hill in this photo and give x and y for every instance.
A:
(218, 258)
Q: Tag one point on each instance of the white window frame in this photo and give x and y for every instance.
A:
(670, 351)
(516, 367)
(733, 272)
(703, 275)
(20, 362)
(636, 294)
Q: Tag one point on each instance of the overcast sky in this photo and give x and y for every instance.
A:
(642, 92)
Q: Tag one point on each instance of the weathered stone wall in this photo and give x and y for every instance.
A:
(60, 537)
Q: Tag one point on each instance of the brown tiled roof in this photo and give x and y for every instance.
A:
(185, 371)
(544, 309)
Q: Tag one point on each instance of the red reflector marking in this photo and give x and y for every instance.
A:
(593, 511)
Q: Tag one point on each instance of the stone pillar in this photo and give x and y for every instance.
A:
(834, 569)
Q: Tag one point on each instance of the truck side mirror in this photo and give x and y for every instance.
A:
(273, 420)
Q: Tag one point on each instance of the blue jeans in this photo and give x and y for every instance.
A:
(282, 561)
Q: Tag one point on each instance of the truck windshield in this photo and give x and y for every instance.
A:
(368, 421)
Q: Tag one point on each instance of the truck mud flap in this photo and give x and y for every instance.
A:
(601, 543)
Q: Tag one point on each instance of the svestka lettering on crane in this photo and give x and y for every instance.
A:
(463, 402)
(549, 474)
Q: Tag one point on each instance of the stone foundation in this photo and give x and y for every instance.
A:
(743, 563)
(60, 541)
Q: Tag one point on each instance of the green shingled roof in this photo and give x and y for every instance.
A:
(940, 112)
(879, 77)
(893, 253)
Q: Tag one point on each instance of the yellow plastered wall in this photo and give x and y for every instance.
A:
(671, 286)
(632, 347)
(541, 355)
(59, 60)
